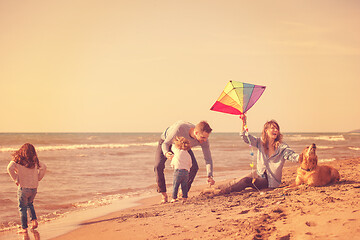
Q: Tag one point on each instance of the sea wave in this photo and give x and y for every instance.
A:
(332, 138)
(324, 147)
(82, 146)
(354, 148)
(327, 160)
(6, 201)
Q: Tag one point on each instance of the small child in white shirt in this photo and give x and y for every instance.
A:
(181, 162)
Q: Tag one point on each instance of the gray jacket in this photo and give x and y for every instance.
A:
(274, 164)
(182, 129)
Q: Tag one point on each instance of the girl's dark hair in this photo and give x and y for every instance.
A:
(26, 156)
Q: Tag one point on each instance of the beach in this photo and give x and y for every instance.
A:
(92, 175)
(329, 212)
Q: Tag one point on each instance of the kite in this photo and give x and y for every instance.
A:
(237, 98)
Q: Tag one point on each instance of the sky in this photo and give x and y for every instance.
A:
(141, 65)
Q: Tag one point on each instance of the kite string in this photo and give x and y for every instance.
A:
(245, 127)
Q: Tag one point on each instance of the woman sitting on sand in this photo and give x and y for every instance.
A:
(271, 156)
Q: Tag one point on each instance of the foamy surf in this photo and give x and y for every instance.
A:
(332, 138)
(82, 146)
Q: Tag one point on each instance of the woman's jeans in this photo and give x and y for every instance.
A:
(181, 177)
(248, 181)
(26, 198)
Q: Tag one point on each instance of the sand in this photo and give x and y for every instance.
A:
(329, 212)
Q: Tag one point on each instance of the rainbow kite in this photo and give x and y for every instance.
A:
(237, 98)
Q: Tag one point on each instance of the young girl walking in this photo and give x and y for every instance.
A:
(26, 170)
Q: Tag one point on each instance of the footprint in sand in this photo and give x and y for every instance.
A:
(310, 224)
(334, 220)
(349, 221)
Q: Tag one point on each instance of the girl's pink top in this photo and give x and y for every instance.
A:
(26, 177)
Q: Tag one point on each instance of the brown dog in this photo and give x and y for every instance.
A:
(312, 174)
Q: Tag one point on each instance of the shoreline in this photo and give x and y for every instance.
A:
(73, 220)
(329, 212)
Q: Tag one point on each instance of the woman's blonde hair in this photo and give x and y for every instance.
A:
(265, 138)
(26, 156)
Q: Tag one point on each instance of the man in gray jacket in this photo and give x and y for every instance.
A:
(197, 135)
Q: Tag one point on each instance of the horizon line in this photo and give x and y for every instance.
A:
(149, 132)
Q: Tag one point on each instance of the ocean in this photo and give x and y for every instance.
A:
(92, 170)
